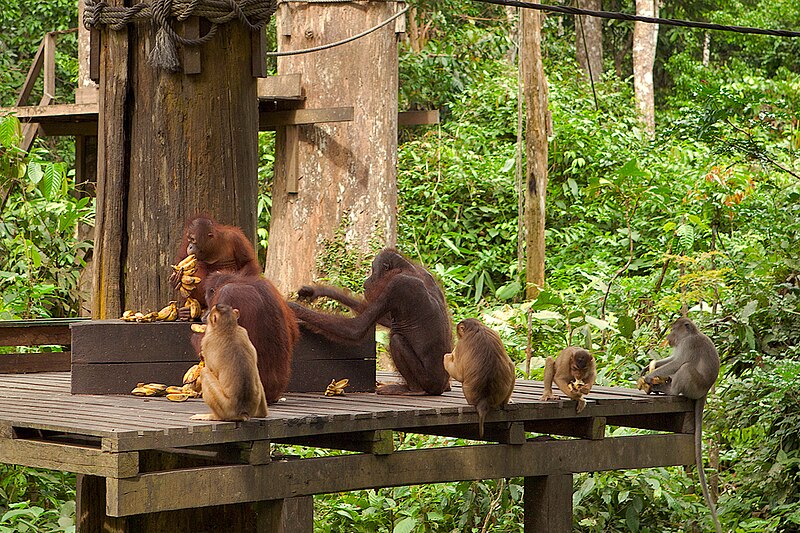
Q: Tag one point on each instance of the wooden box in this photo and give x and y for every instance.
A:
(112, 356)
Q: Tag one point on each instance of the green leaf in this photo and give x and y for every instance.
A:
(632, 519)
(508, 291)
(626, 326)
(631, 169)
(35, 172)
(450, 245)
(508, 165)
(406, 525)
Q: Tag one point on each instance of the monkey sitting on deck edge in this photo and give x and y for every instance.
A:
(231, 385)
(690, 371)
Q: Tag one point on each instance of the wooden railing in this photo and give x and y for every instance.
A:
(38, 332)
(44, 61)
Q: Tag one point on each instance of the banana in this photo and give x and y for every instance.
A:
(188, 262)
(177, 397)
(175, 390)
(199, 328)
(142, 391)
(189, 281)
(149, 317)
(337, 387)
(158, 389)
(193, 373)
(169, 312)
(195, 310)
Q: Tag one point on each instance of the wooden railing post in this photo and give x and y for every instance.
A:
(548, 503)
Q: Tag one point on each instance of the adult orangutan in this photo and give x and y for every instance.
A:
(404, 297)
(218, 248)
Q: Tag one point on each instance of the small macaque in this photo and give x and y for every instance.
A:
(231, 386)
(479, 361)
(573, 371)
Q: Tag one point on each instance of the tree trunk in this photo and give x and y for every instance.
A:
(535, 85)
(589, 41)
(170, 146)
(346, 171)
(645, 37)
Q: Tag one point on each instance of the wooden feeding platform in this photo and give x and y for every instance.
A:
(110, 442)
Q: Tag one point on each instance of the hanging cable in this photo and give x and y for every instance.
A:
(637, 18)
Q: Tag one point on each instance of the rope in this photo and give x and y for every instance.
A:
(343, 41)
(252, 14)
(636, 18)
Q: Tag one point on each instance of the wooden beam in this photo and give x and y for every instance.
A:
(418, 118)
(292, 515)
(592, 428)
(71, 458)
(548, 503)
(379, 442)
(192, 58)
(305, 116)
(33, 74)
(31, 334)
(163, 491)
(673, 422)
(502, 432)
(283, 87)
(60, 112)
(28, 363)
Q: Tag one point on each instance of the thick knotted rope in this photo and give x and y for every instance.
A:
(253, 14)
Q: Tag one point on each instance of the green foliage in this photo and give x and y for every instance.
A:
(45, 500)
(40, 273)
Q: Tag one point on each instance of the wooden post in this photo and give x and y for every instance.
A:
(325, 173)
(548, 503)
(171, 145)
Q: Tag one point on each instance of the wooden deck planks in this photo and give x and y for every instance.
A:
(128, 423)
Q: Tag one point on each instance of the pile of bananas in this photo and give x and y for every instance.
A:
(168, 313)
(336, 388)
(174, 394)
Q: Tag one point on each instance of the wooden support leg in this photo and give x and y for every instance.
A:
(292, 515)
(548, 503)
(90, 508)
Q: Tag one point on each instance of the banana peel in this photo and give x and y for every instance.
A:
(336, 388)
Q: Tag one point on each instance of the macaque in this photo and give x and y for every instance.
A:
(479, 361)
(690, 371)
(231, 386)
(573, 371)
(404, 297)
(218, 248)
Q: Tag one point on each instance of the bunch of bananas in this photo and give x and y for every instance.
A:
(336, 388)
(576, 384)
(184, 272)
(168, 313)
(175, 394)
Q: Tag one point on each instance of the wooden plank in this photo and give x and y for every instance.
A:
(23, 363)
(155, 492)
(593, 428)
(59, 112)
(33, 74)
(71, 458)
(547, 503)
(192, 55)
(132, 342)
(502, 432)
(375, 442)
(305, 116)
(282, 87)
(290, 136)
(90, 499)
(418, 118)
(94, 55)
(49, 86)
(121, 378)
(35, 335)
(258, 54)
(68, 129)
(673, 422)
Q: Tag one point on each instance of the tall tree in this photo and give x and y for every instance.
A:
(645, 37)
(346, 171)
(535, 92)
(589, 41)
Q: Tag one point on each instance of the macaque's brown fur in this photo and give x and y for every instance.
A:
(479, 361)
(230, 383)
(571, 365)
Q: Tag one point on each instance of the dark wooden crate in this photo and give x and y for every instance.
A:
(317, 360)
(112, 356)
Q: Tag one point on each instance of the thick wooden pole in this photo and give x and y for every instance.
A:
(171, 146)
(346, 171)
(645, 37)
(548, 503)
(535, 88)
